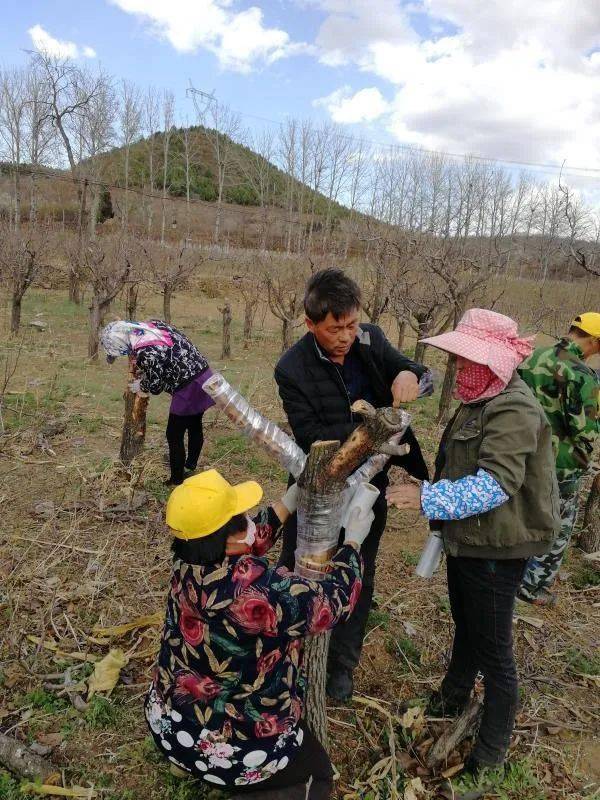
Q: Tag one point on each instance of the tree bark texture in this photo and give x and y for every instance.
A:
(15, 314)
(589, 540)
(226, 348)
(462, 727)
(249, 311)
(286, 333)
(134, 424)
(447, 390)
(95, 325)
(167, 304)
(131, 300)
(19, 759)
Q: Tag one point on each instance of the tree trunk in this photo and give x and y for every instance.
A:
(131, 300)
(249, 309)
(15, 313)
(447, 391)
(74, 285)
(286, 332)
(33, 199)
(167, 304)
(95, 325)
(589, 540)
(226, 349)
(134, 423)
(401, 333)
(17, 182)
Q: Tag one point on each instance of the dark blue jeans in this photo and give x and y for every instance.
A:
(482, 598)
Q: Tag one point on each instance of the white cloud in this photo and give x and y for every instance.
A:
(238, 39)
(365, 105)
(46, 43)
(506, 80)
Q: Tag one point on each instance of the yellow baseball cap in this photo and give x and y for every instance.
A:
(588, 323)
(205, 502)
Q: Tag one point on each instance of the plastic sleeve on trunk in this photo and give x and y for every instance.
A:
(253, 425)
(319, 523)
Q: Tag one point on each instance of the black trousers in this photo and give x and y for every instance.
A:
(347, 639)
(311, 763)
(482, 598)
(176, 430)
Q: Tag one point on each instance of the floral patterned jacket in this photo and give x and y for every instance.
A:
(228, 690)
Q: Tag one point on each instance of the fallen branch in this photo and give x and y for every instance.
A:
(464, 726)
(22, 762)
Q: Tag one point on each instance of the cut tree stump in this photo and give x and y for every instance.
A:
(457, 732)
(22, 762)
(589, 539)
(134, 423)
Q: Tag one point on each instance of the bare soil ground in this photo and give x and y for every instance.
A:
(79, 551)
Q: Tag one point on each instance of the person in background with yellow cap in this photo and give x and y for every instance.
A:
(568, 391)
(226, 700)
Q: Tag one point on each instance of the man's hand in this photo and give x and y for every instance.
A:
(405, 388)
(135, 386)
(405, 496)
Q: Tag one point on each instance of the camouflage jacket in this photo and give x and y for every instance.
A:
(568, 391)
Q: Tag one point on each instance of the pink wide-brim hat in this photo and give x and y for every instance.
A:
(486, 337)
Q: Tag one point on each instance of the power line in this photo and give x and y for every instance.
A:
(550, 169)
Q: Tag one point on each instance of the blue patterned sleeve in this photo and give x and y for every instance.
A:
(466, 497)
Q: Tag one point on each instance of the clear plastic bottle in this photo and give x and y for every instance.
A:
(431, 555)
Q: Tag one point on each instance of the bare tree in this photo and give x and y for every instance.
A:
(285, 283)
(221, 127)
(21, 262)
(106, 266)
(250, 285)
(287, 138)
(40, 136)
(226, 341)
(95, 136)
(13, 105)
(168, 111)
(151, 124)
(257, 167)
(70, 92)
(130, 124)
(170, 269)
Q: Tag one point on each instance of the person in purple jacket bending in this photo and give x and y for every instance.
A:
(167, 362)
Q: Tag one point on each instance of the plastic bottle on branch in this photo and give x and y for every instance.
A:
(256, 427)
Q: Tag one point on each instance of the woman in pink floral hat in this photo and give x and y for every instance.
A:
(227, 697)
(495, 500)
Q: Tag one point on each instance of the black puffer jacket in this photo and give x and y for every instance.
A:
(316, 401)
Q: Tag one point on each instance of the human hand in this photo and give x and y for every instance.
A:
(405, 496)
(135, 386)
(405, 388)
(358, 527)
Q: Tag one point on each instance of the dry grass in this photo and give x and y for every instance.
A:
(79, 551)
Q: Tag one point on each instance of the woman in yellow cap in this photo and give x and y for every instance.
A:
(226, 700)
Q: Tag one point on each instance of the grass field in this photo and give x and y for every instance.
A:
(76, 557)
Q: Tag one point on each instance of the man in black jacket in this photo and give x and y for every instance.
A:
(337, 362)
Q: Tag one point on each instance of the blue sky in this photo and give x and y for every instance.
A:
(500, 79)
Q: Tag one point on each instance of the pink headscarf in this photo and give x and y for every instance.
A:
(491, 341)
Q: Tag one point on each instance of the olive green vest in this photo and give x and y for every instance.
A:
(509, 437)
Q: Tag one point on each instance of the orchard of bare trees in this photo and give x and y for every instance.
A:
(108, 188)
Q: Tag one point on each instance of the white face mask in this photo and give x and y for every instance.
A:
(250, 537)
